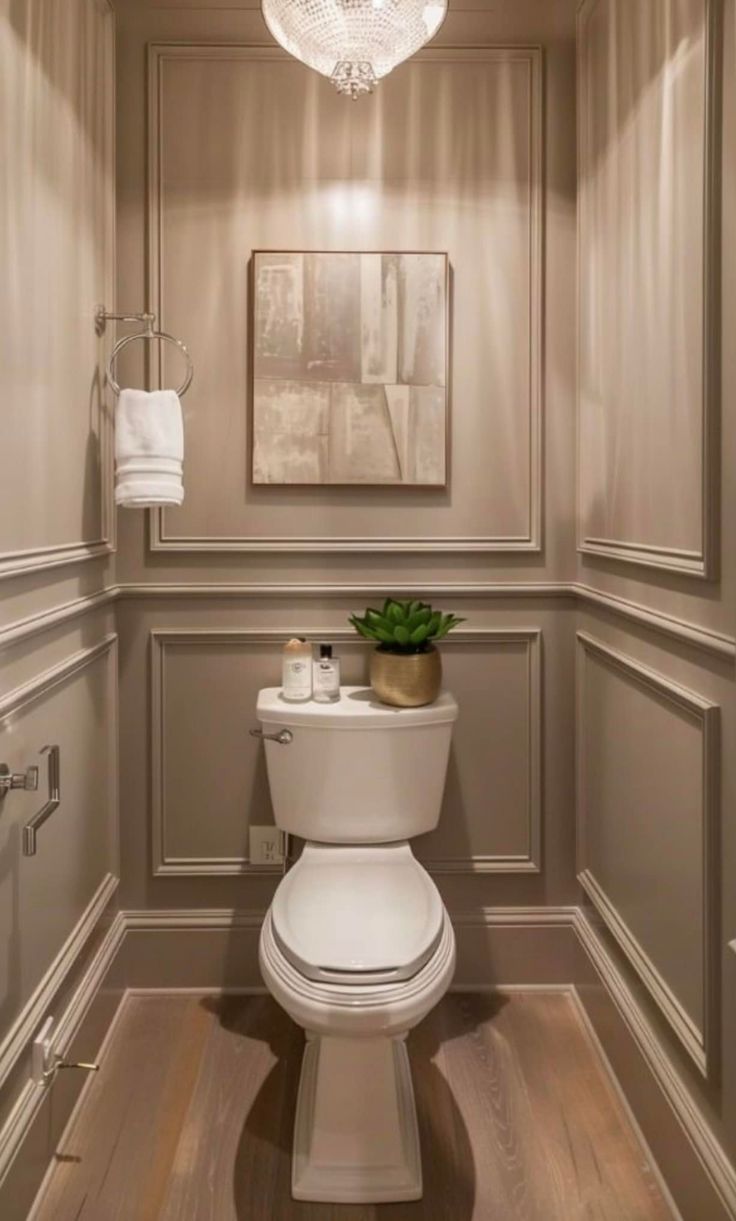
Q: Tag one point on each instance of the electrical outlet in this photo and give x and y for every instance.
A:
(266, 846)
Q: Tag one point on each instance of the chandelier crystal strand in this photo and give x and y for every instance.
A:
(353, 42)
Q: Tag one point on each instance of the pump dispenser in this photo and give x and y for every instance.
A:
(326, 676)
(296, 681)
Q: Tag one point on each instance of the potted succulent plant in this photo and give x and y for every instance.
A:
(406, 669)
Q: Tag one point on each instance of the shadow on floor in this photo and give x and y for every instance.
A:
(262, 1170)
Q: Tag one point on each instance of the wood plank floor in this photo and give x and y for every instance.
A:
(190, 1119)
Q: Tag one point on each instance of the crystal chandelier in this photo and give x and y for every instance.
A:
(353, 42)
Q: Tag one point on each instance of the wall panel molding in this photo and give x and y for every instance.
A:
(699, 1040)
(531, 861)
(682, 630)
(36, 1007)
(102, 542)
(55, 616)
(530, 59)
(702, 560)
(217, 949)
(103, 882)
(671, 626)
(32, 1097)
(708, 1155)
(42, 684)
(296, 589)
(658, 622)
(164, 639)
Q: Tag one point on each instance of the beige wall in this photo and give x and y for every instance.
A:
(56, 269)
(208, 592)
(656, 497)
(247, 150)
(58, 647)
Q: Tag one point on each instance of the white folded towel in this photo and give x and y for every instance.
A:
(149, 449)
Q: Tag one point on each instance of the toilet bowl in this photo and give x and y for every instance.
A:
(357, 946)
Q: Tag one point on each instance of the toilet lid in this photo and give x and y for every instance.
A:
(357, 914)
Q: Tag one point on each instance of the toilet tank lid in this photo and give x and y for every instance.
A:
(357, 708)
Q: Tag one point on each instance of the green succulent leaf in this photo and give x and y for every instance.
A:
(384, 636)
(404, 625)
(396, 612)
(362, 628)
(418, 617)
(434, 622)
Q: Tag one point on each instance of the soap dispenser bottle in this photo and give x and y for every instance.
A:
(296, 681)
(326, 676)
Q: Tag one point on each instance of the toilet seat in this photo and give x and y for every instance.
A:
(357, 916)
(348, 1009)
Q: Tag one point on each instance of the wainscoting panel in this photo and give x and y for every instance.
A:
(44, 897)
(225, 180)
(58, 265)
(648, 80)
(492, 814)
(209, 777)
(647, 794)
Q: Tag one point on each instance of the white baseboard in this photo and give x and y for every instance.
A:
(706, 1153)
(31, 1095)
(600, 1051)
(36, 1007)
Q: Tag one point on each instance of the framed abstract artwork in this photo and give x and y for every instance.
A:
(350, 359)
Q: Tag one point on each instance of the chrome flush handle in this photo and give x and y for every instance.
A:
(283, 737)
(27, 780)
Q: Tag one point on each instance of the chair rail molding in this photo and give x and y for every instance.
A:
(163, 640)
(701, 1042)
(528, 58)
(682, 630)
(55, 616)
(41, 684)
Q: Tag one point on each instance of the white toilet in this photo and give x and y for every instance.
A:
(357, 946)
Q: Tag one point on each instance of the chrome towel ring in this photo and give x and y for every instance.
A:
(148, 321)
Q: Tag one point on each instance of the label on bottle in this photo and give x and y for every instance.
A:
(326, 679)
(297, 678)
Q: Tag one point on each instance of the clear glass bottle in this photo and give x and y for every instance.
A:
(296, 674)
(326, 676)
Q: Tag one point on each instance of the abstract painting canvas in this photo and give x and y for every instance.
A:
(350, 369)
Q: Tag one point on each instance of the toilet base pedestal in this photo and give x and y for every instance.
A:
(355, 1134)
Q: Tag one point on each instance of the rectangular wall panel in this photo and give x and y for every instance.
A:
(56, 254)
(209, 777)
(43, 897)
(646, 807)
(459, 174)
(647, 235)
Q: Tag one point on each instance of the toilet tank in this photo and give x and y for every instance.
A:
(356, 771)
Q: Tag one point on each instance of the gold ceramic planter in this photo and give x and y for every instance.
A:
(406, 680)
